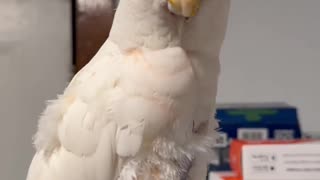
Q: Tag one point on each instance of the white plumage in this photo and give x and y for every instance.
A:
(134, 111)
(202, 39)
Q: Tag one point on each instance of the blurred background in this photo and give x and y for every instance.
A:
(271, 53)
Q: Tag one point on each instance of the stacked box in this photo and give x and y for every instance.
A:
(276, 160)
(254, 121)
(271, 160)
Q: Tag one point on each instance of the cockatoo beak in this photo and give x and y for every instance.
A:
(186, 8)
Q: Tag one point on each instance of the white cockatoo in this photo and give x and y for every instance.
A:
(202, 40)
(137, 96)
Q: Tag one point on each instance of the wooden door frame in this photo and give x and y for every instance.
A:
(92, 38)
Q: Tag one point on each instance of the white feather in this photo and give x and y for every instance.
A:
(202, 38)
(132, 108)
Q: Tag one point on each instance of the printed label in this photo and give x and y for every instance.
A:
(281, 162)
(222, 140)
(283, 134)
(252, 134)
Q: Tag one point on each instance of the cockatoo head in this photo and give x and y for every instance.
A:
(186, 8)
(206, 31)
(154, 24)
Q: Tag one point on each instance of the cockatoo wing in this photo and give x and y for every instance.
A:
(76, 135)
(111, 107)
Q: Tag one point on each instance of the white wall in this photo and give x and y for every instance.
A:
(272, 53)
(35, 59)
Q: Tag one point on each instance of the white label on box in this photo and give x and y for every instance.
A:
(221, 140)
(253, 134)
(281, 162)
(284, 134)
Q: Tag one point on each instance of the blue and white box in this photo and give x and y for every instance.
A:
(254, 121)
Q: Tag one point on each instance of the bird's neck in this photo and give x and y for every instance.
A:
(140, 26)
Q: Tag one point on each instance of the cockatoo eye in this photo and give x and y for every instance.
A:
(186, 8)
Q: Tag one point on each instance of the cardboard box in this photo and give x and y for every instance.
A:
(254, 121)
(296, 161)
(237, 150)
(276, 160)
